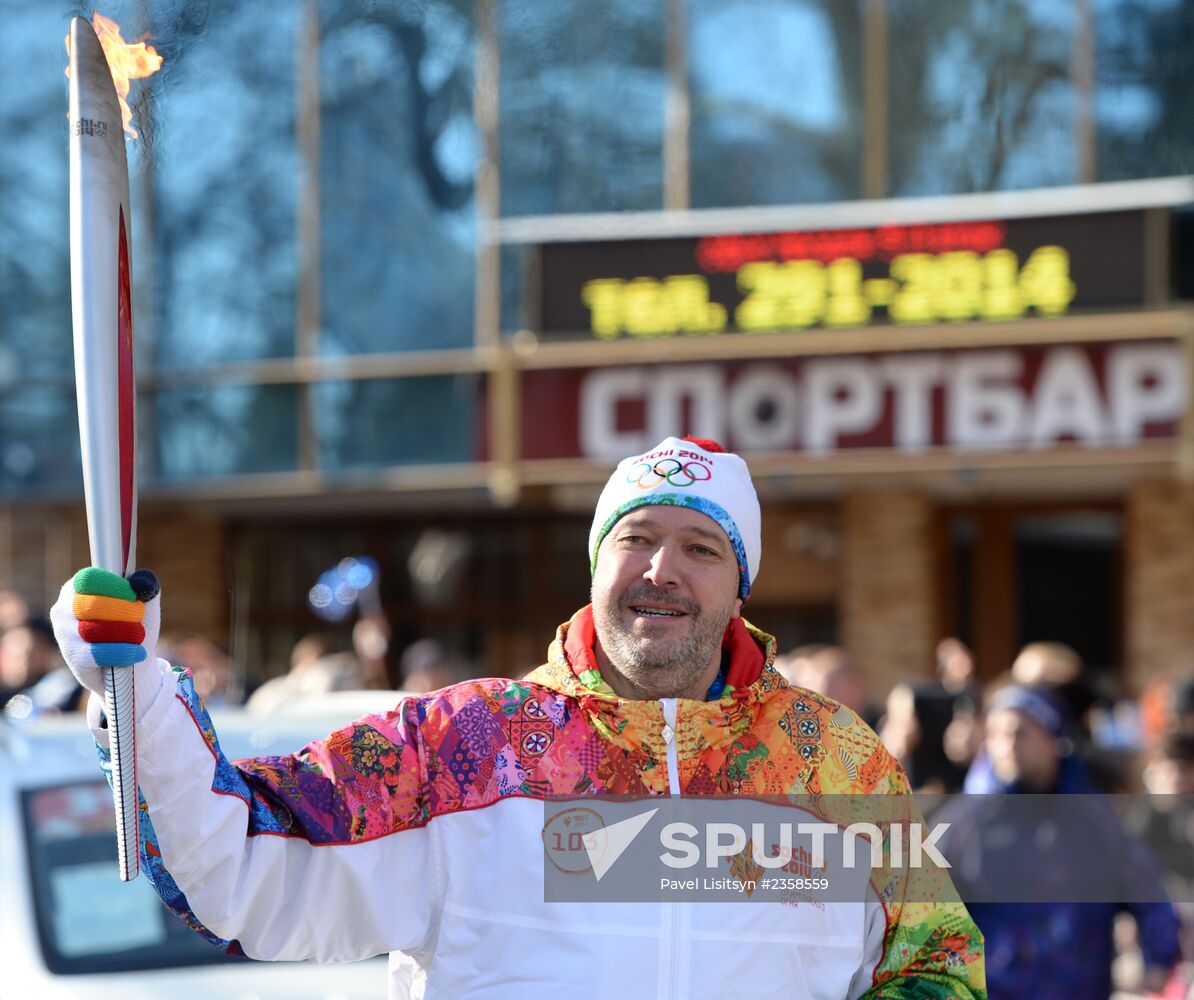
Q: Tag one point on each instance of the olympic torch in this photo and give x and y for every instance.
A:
(102, 313)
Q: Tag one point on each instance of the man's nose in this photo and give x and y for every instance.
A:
(663, 567)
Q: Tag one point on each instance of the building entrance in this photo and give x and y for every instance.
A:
(1020, 574)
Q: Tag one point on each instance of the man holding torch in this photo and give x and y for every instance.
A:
(420, 832)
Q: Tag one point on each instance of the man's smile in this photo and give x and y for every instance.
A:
(656, 608)
(649, 611)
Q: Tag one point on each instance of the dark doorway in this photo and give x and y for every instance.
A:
(1068, 575)
(1019, 574)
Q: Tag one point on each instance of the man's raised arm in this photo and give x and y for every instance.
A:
(322, 855)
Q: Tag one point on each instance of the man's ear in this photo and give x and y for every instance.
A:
(737, 608)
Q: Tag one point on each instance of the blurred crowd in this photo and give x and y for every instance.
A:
(942, 730)
(1049, 726)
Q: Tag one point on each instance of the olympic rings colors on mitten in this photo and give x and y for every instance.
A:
(110, 612)
(89, 607)
(93, 632)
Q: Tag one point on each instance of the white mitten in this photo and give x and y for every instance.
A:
(103, 620)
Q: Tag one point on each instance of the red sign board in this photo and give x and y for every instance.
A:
(1000, 399)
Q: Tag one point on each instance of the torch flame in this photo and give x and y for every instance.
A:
(125, 61)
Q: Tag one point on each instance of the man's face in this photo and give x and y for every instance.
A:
(665, 588)
(1021, 749)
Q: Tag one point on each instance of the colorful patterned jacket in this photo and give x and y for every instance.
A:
(419, 833)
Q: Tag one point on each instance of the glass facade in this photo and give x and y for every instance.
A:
(1004, 94)
(39, 449)
(581, 106)
(383, 422)
(397, 153)
(220, 430)
(981, 96)
(776, 102)
(304, 190)
(39, 445)
(1144, 83)
(220, 162)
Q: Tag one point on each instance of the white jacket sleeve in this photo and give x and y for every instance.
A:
(322, 855)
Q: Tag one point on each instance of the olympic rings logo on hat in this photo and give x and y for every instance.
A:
(648, 475)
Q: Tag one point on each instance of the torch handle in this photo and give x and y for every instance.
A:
(120, 705)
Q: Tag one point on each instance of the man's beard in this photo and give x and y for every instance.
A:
(659, 667)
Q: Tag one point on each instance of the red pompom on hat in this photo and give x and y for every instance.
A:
(706, 444)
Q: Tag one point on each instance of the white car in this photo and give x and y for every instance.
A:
(71, 928)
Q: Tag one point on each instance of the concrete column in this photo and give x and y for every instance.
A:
(887, 598)
(188, 553)
(1159, 575)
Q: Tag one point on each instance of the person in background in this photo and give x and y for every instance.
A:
(14, 609)
(371, 643)
(1166, 705)
(959, 684)
(425, 666)
(1164, 820)
(27, 654)
(1171, 772)
(913, 729)
(311, 648)
(1060, 948)
(899, 729)
(1058, 668)
(1181, 704)
(955, 667)
(828, 670)
(317, 666)
(33, 678)
(795, 665)
(212, 668)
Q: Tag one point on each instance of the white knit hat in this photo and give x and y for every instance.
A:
(687, 472)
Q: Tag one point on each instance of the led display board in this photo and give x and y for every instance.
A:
(904, 275)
